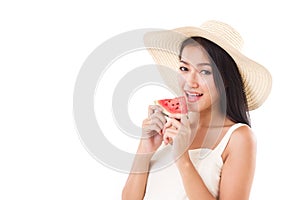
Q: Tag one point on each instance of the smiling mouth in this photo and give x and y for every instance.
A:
(193, 96)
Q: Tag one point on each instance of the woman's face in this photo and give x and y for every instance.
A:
(196, 80)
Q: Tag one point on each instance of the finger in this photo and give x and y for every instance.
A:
(158, 122)
(175, 123)
(153, 109)
(169, 136)
(148, 127)
(168, 124)
(154, 127)
(157, 129)
(175, 116)
(160, 116)
(185, 120)
(168, 140)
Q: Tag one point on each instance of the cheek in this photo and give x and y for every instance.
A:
(209, 86)
(213, 91)
(181, 81)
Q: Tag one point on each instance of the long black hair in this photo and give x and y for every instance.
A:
(226, 75)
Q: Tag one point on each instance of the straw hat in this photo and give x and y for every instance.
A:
(164, 47)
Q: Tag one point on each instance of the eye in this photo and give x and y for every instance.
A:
(183, 68)
(205, 72)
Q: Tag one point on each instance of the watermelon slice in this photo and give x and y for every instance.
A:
(174, 106)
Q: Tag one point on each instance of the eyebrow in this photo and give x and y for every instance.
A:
(198, 65)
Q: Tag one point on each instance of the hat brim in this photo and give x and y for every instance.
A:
(164, 47)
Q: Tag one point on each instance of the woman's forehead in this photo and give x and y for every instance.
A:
(195, 55)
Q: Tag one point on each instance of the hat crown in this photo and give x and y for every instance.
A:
(224, 31)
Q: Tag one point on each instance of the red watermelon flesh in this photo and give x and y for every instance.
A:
(174, 106)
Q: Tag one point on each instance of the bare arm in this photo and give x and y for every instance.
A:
(135, 186)
(239, 166)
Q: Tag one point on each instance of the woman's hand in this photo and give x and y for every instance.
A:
(152, 130)
(178, 133)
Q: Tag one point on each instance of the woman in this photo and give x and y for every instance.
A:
(213, 147)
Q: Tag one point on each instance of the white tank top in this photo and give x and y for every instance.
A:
(164, 181)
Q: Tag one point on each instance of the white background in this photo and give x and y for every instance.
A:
(42, 47)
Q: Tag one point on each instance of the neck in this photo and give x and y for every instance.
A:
(208, 126)
(212, 118)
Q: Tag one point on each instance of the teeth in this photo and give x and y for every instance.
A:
(194, 94)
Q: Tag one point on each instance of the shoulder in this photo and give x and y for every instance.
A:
(242, 141)
(243, 135)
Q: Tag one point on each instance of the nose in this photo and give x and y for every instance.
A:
(192, 79)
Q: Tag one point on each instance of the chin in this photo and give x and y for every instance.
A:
(194, 107)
